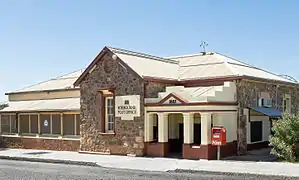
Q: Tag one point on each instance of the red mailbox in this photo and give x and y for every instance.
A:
(218, 136)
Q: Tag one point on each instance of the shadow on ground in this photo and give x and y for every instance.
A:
(37, 153)
(262, 155)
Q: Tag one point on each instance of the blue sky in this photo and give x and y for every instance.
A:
(44, 39)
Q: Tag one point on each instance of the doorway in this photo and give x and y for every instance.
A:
(176, 135)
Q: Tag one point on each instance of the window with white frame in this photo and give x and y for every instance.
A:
(109, 114)
(287, 103)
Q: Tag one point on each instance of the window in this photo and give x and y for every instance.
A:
(34, 124)
(109, 114)
(256, 131)
(68, 124)
(24, 124)
(28, 124)
(78, 120)
(287, 103)
(56, 124)
(8, 124)
(45, 124)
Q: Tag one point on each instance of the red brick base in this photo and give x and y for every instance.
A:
(208, 151)
(39, 143)
(156, 149)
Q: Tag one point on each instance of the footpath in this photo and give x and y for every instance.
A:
(152, 164)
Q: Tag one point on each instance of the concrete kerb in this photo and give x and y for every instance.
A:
(233, 174)
(80, 163)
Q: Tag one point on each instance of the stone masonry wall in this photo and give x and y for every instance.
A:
(153, 88)
(248, 94)
(129, 135)
(39, 143)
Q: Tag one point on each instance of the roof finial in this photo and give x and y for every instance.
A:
(203, 44)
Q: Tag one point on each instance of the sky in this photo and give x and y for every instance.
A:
(45, 39)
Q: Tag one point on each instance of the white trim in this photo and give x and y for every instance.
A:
(106, 115)
(28, 113)
(8, 113)
(198, 108)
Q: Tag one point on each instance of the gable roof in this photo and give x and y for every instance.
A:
(180, 68)
(63, 82)
(144, 65)
(188, 67)
(213, 65)
(147, 65)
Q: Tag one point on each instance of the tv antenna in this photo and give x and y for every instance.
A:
(203, 44)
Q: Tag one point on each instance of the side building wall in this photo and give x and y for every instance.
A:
(248, 94)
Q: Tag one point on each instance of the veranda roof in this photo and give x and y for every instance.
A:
(58, 83)
(66, 104)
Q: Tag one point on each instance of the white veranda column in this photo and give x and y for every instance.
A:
(148, 127)
(162, 127)
(206, 128)
(188, 128)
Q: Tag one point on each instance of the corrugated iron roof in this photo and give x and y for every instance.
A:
(147, 65)
(187, 67)
(195, 66)
(217, 65)
(66, 104)
(61, 82)
(267, 111)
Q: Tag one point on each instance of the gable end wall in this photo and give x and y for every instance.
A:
(129, 135)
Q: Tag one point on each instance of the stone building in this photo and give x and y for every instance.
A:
(142, 105)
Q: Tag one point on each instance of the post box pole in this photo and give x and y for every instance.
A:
(218, 152)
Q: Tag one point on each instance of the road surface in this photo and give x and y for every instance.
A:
(20, 170)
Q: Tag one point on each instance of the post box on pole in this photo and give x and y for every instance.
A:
(218, 138)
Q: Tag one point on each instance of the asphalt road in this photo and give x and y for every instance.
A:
(15, 170)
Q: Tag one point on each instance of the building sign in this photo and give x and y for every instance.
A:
(127, 107)
(46, 123)
(172, 100)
